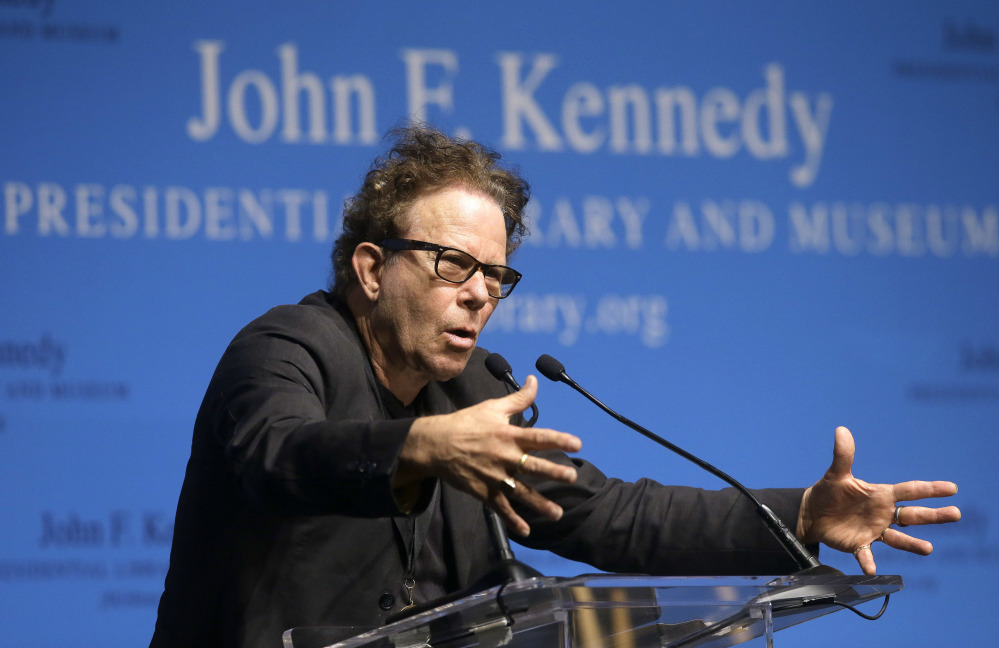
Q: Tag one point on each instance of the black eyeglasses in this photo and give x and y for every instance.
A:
(456, 266)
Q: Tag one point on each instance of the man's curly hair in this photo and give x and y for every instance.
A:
(422, 160)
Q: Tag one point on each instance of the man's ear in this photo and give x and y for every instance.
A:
(368, 262)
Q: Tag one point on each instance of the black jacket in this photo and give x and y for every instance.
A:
(285, 518)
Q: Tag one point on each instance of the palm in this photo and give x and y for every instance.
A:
(849, 514)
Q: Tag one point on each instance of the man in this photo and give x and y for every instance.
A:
(345, 445)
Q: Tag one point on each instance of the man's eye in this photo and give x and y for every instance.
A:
(457, 260)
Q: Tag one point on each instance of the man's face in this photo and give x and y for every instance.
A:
(426, 328)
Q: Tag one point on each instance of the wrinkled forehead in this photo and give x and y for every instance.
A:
(457, 217)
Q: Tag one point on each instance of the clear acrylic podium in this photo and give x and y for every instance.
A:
(613, 611)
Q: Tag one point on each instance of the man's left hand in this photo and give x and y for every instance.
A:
(850, 515)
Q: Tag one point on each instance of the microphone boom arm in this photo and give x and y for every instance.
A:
(801, 555)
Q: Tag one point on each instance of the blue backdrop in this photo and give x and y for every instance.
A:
(752, 222)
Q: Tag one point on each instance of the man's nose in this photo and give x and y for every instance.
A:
(476, 293)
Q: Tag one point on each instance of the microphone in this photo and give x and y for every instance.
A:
(553, 370)
(501, 370)
(507, 569)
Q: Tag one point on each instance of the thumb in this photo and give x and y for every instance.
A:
(843, 452)
(522, 399)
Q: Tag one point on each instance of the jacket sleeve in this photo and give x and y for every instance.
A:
(647, 527)
(297, 420)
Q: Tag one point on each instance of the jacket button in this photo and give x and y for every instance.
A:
(386, 601)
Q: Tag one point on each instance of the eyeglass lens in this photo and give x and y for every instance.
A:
(457, 266)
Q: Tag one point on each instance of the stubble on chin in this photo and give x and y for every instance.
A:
(448, 365)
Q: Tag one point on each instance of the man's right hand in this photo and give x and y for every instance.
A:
(478, 451)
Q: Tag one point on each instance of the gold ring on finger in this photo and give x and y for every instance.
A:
(859, 549)
(520, 464)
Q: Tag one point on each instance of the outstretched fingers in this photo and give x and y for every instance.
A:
(906, 516)
(509, 488)
(525, 463)
(533, 465)
(499, 502)
(915, 515)
(904, 542)
(916, 490)
(546, 439)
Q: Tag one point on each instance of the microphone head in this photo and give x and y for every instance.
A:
(550, 368)
(498, 366)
